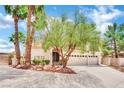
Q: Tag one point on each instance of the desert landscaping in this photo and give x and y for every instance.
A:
(64, 46)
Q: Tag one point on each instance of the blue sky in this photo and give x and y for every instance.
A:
(101, 15)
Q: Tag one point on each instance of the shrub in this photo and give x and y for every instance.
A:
(37, 61)
(11, 55)
(41, 62)
(23, 60)
(46, 62)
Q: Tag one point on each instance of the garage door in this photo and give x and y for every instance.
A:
(76, 60)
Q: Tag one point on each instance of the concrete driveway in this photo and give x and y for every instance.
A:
(109, 77)
(86, 77)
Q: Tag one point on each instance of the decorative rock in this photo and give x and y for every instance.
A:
(33, 68)
(18, 66)
(55, 68)
(39, 69)
(40, 66)
(58, 69)
(46, 67)
(122, 69)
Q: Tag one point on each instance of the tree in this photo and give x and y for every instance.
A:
(113, 40)
(21, 38)
(65, 36)
(120, 37)
(35, 21)
(18, 13)
(106, 47)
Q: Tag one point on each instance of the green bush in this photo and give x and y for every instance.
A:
(23, 62)
(41, 62)
(37, 61)
(46, 62)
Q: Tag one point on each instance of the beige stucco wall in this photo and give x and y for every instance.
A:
(72, 60)
(4, 58)
(42, 53)
(113, 61)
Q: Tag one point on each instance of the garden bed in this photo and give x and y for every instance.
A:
(56, 68)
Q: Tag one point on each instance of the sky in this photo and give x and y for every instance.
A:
(102, 16)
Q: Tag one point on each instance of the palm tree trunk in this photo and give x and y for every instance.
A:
(115, 49)
(31, 41)
(30, 36)
(17, 48)
(111, 47)
(28, 47)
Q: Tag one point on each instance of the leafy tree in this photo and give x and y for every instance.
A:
(18, 13)
(64, 37)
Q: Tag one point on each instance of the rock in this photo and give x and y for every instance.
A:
(122, 69)
(58, 69)
(33, 68)
(13, 66)
(47, 68)
(56, 66)
(18, 66)
(39, 69)
(40, 66)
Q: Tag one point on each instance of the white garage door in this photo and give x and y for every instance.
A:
(76, 60)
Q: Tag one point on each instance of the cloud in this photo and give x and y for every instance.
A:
(6, 47)
(84, 10)
(6, 21)
(104, 15)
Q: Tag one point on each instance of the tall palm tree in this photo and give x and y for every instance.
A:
(112, 35)
(114, 39)
(27, 46)
(38, 15)
(17, 12)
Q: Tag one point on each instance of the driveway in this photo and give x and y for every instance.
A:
(109, 77)
(86, 77)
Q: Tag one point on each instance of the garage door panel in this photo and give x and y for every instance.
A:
(77, 60)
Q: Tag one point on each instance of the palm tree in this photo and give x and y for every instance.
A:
(38, 15)
(27, 55)
(114, 39)
(17, 12)
(21, 38)
(111, 34)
